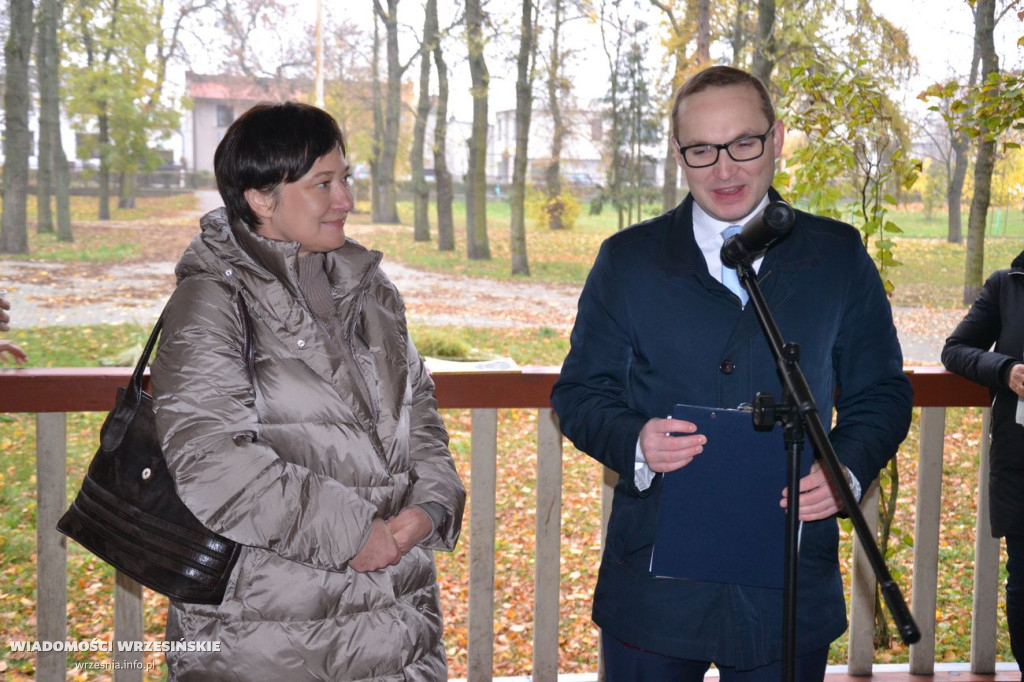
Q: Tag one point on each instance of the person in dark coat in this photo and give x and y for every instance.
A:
(997, 317)
(656, 327)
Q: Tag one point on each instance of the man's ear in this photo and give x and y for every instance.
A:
(678, 157)
(261, 203)
(778, 137)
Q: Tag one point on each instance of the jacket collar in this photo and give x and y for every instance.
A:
(680, 253)
(349, 268)
(680, 256)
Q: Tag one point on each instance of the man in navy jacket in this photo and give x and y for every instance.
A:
(656, 327)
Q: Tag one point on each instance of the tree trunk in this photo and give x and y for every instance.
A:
(977, 219)
(636, 135)
(764, 44)
(377, 104)
(384, 181)
(421, 191)
(961, 149)
(46, 71)
(738, 34)
(703, 32)
(984, 41)
(17, 52)
(49, 109)
(63, 192)
(553, 172)
(524, 107)
(616, 135)
(477, 246)
(104, 143)
(670, 184)
(126, 198)
(955, 188)
(443, 177)
(974, 267)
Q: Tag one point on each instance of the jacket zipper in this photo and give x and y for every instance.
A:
(371, 397)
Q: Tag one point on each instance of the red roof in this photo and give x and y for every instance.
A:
(243, 88)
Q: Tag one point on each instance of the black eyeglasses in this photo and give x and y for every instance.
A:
(742, 149)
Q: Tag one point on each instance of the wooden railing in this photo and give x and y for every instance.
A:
(51, 393)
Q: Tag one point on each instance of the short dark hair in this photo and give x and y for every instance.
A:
(268, 145)
(720, 77)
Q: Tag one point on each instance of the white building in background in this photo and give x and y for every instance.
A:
(582, 161)
(456, 147)
(82, 150)
(217, 101)
(75, 144)
(581, 164)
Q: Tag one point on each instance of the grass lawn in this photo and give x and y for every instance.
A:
(931, 275)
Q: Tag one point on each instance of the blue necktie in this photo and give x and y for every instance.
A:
(730, 278)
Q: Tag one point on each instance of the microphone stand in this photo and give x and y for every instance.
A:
(798, 413)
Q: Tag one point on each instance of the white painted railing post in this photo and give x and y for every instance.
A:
(986, 568)
(128, 627)
(483, 477)
(861, 654)
(51, 548)
(546, 592)
(926, 537)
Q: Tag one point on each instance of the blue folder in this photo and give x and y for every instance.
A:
(720, 519)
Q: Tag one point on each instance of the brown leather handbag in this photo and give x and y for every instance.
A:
(128, 512)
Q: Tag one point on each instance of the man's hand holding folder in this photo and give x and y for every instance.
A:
(670, 444)
(720, 519)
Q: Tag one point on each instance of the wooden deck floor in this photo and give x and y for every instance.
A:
(1005, 672)
(956, 672)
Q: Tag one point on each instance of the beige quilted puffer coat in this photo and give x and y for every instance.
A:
(296, 464)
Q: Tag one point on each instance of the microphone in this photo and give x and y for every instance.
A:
(759, 234)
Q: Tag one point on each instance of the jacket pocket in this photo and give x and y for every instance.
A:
(631, 528)
(243, 573)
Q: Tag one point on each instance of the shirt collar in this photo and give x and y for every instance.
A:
(707, 231)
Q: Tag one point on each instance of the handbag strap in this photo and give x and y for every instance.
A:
(116, 424)
(135, 385)
(248, 349)
(124, 412)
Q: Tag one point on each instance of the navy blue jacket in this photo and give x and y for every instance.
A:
(653, 329)
(997, 316)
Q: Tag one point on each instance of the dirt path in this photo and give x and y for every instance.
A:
(49, 294)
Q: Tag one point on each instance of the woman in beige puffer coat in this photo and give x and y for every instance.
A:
(330, 465)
